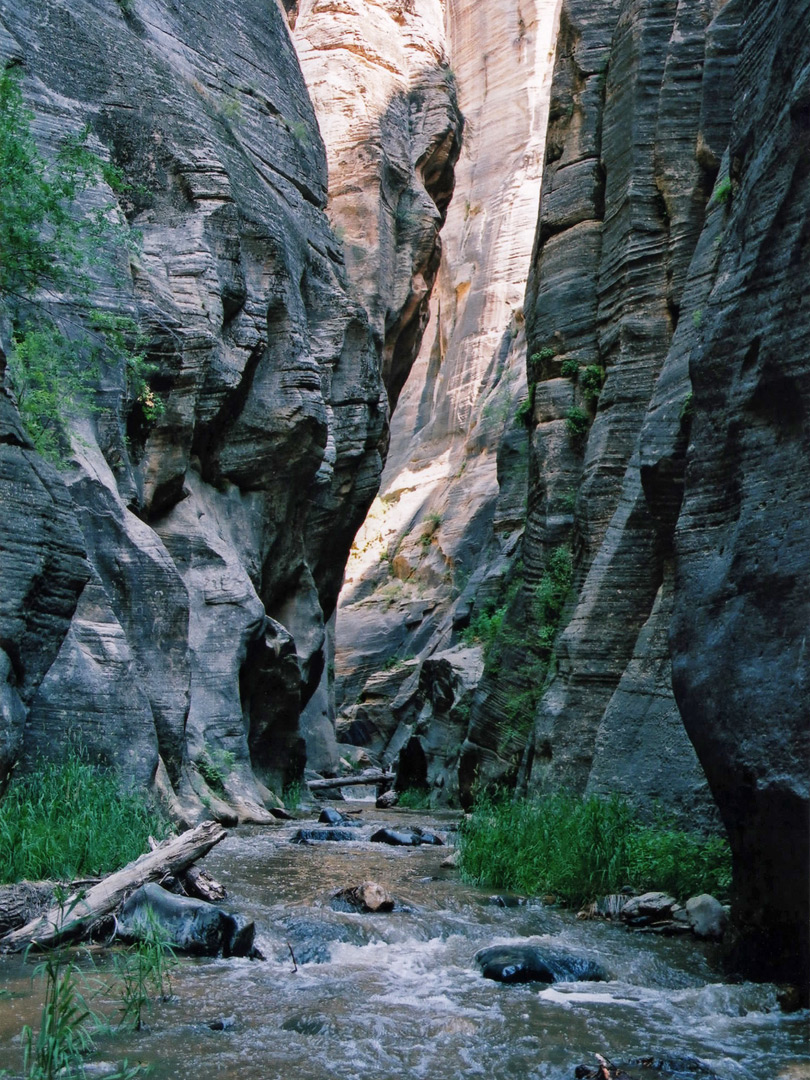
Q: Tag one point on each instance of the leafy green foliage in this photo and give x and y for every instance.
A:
(293, 794)
(63, 1039)
(569, 369)
(214, 766)
(47, 243)
(524, 414)
(414, 799)
(430, 526)
(548, 352)
(577, 422)
(550, 596)
(723, 192)
(581, 849)
(591, 379)
(72, 819)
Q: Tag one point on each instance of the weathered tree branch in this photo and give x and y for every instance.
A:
(348, 781)
(172, 856)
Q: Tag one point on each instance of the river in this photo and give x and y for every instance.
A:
(384, 996)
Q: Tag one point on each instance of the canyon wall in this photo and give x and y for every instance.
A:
(164, 590)
(667, 332)
(447, 525)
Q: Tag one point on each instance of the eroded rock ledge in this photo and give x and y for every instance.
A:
(164, 597)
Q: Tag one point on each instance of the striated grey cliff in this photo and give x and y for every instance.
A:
(163, 598)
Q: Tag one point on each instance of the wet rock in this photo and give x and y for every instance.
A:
(387, 800)
(302, 836)
(707, 916)
(648, 1068)
(648, 908)
(305, 1023)
(222, 1023)
(396, 837)
(368, 896)
(330, 816)
(452, 860)
(532, 963)
(188, 925)
(428, 836)
(406, 837)
(507, 900)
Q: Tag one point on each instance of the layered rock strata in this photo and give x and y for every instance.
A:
(448, 522)
(742, 597)
(163, 596)
(673, 278)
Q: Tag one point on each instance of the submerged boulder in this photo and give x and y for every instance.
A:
(535, 963)
(302, 836)
(406, 837)
(188, 925)
(366, 897)
(330, 816)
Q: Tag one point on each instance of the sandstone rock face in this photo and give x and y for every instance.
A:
(385, 98)
(163, 598)
(386, 102)
(446, 529)
(689, 595)
(740, 663)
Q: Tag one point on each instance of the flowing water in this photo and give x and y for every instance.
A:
(398, 995)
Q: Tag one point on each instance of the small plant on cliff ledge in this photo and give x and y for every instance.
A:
(591, 380)
(723, 192)
(46, 242)
(577, 422)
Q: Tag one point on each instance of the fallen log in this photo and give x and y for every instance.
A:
(349, 781)
(64, 920)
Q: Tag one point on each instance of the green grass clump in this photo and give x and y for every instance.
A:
(581, 849)
(414, 799)
(73, 819)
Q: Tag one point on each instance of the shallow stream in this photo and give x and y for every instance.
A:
(398, 995)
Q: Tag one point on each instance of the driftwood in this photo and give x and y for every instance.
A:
(199, 884)
(348, 781)
(193, 881)
(172, 856)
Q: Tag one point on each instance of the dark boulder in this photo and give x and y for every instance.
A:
(304, 835)
(406, 837)
(330, 816)
(396, 837)
(188, 925)
(534, 963)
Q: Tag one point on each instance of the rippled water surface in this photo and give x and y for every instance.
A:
(398, 994)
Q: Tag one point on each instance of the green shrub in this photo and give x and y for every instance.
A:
(548, 352)
(73, 819)
(47, 242)
(524, 414)
(591, 380)
(723, 192)
(576, 421)
(414, 799)
(581, 849)
(569, 369)
(214, 766)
